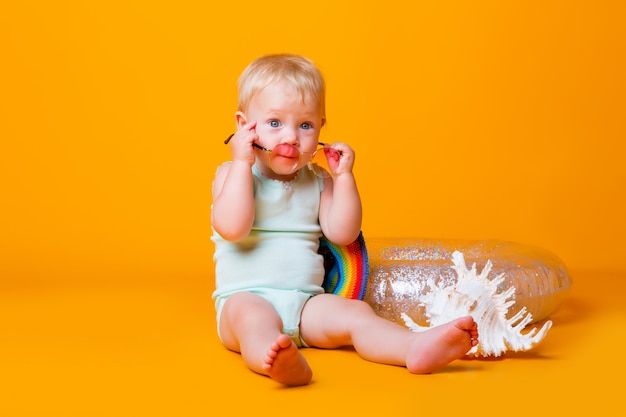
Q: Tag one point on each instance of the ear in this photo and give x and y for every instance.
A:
(240, 119)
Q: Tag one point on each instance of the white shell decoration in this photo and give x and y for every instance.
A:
(476, 295)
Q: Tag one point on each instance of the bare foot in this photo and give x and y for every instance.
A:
(441, 345)
(284, 363)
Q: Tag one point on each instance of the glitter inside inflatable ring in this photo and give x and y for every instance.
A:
(400, 269)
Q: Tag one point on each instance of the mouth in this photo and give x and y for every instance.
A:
(286, 151)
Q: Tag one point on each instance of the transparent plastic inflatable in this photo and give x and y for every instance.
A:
(401, 267)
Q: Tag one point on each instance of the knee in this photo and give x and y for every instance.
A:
(358, 307)
(245, 308)
(246, 314)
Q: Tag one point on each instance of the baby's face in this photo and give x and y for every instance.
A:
(284, 116)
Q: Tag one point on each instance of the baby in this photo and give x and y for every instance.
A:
(270, 207)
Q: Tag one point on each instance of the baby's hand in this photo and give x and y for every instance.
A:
(340, 158)
(241, 143)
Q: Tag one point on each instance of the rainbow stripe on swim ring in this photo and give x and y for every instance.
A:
(346, 268)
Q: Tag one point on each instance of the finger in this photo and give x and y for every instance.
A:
(249, 126)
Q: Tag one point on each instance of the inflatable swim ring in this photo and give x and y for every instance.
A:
(391, 274)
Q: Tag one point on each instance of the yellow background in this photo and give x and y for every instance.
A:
(471, 120)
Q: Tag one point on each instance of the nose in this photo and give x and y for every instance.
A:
(290, 136)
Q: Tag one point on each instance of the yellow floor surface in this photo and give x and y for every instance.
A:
(152, 351)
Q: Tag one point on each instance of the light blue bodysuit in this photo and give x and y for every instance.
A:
(278, 259)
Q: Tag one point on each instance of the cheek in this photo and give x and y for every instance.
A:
(267, 136)
(309, 139)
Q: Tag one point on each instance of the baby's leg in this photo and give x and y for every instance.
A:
(330, 321)
(250, 325)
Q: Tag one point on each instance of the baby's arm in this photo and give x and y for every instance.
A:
(340, 206)
(233, 197)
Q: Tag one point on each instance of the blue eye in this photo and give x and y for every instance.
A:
(306, 126)
(274, 123)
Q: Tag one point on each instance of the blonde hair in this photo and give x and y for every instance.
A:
(294, 70)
